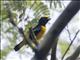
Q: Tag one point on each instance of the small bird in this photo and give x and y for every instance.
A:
(38, 31)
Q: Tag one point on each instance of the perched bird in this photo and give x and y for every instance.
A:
(38, 31)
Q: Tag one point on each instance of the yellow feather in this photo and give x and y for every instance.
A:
(41, 33)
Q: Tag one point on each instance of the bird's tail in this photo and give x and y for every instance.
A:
(17, 47)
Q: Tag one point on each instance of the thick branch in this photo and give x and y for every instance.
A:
(56, 29)
(54, 49)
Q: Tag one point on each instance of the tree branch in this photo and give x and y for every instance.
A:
(70, 44)
(75, 54)
(56, 29)
(68, 33)
(54, 49)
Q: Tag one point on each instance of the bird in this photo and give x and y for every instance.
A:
(38, 31)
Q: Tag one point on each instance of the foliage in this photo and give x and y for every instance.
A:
(10, 35)
(63, 46)
(55, 3)
(18, 11)
(19, 14)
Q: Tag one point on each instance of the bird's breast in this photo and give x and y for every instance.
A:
(41, 33)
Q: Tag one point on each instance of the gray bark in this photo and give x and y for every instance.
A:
(56, 29)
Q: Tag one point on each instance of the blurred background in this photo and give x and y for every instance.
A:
(26, 14)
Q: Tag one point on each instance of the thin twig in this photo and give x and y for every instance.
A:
(68, 33)
(70, 44)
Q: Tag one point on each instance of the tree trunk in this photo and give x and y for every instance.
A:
(54, 49)
(46, 44)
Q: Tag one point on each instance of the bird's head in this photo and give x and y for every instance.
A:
(43, 20)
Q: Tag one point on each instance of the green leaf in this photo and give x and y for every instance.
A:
(4, 13)
(51, 3)
(63, 46)
(55, 3)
